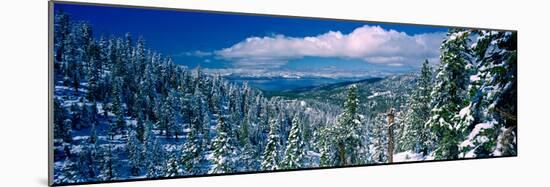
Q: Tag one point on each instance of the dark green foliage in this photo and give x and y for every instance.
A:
(222, 148)
(448, 95)
(270, 154)
(417, 136)
(491, 113)
(294, 151)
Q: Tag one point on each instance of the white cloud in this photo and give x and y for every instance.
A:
(371, 44)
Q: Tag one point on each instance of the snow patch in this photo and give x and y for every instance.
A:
(376, 94)
(474, 78)
(410, 156)
(477, 129)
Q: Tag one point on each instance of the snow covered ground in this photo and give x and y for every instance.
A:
(409, 156)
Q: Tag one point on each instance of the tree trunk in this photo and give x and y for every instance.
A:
(342, 154)
(391, 117)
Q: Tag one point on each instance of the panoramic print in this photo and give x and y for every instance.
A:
(148, 94)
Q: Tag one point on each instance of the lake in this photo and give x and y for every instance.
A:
(286, 84)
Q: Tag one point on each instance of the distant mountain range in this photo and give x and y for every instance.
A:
(334, 85)
(289, 84)
(376, 93)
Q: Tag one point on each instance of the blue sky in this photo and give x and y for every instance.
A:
(264, 44)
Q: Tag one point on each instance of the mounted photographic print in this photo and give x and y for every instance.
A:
(140, 93)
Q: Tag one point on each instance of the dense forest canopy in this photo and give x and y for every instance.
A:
(123, 111)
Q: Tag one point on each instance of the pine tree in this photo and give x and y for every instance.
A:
(76, 116)
(140, 130)
(168, 117)
(448, 95)
(191, 153)
(173, 167)
(416, 135)
(117, 106)
(134, 149)
(140, 55)
(176, 119)
(491, 114)
(108, 167)
(270, 155)
(67, 127)
(249, 159)
(93, 71)
(243, 132)
(69, 173)
(62, 27)
(205, 125)
(103, 87)
(294, 150)
(93, 133)
(72, 62)
(117, 57)
(155, 157)
(111, 130)
(347, 132)
(377, 133)
(87, 115)
(222, 149)
(86, 163)
(60, 115)
(325, 148)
